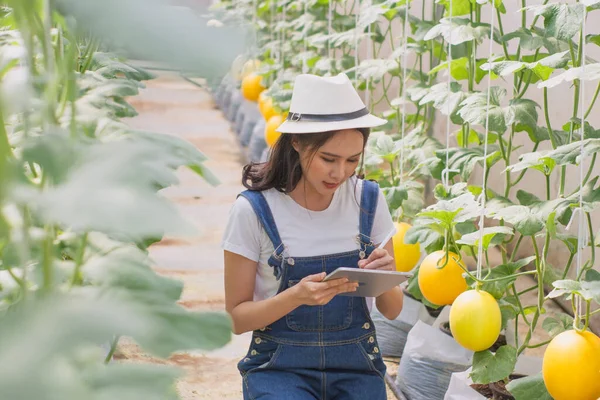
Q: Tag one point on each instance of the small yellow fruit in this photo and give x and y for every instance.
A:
(267, 109)
(441, 286)
(406, 255)
(249, 67)
(571, 366)
(475, 320)
(252, 87)
(271, 135)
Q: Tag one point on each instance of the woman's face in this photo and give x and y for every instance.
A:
(330, 165)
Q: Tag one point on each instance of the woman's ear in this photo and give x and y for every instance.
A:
(296, 145)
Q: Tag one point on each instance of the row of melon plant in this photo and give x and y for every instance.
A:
(468, 222)
(79, 206)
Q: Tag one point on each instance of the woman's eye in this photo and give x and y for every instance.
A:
(353, 161)
(328, 159)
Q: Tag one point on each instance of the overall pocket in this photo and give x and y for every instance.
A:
(262, 354)
(333, 316)
(370, 350)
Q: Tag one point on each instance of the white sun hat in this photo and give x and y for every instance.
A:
(322, 104)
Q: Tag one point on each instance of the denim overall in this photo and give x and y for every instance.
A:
(325, 352)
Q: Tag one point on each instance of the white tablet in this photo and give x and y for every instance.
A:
(371, 282)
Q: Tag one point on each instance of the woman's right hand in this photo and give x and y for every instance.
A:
(312, 291)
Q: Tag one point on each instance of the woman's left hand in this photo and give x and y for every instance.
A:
(378, 259)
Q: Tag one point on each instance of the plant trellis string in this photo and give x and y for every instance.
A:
(446, 171)
(404, 82)
(581, 237)
(483, 196)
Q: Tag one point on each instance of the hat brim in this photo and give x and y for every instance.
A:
(367, 121)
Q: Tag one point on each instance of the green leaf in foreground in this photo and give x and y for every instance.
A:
(489, 367)
(557, 324)
(528, 388)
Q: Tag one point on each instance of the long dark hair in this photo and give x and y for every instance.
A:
(283, 171)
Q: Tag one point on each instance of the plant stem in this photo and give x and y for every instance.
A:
(519, 304)
(534, 346)
(547, 186)
(568, 267)
(515, 250)
(509, 277)
(529, 289)
(501, 30)
(563, 170)
(48, 259)
(113, 348)
(592, 244)
(76, 278)
(547, 117)
(536, 315)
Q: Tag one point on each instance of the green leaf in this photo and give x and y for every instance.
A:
(526, 198)
(473, 138)
(395, 196)
(489, 233)
(592, 275)
(557, 323)
(498, 288)
(465, 159)
(459, 69)
(561, 21)
(591, 72)
(571, 153)
(474, 109)
(489, 367)
(125, 174)
(128, 268)
(541, 134)
(424, 234)
(132, 381)
(593, 39)
(527, 40)
(530, 387)
(569, 240)
(459, 7)
(522, 113)
(445, 101)
(458, 30)
(523, 218)
(536, 160)
(447, 213)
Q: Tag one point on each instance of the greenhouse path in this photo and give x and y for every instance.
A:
(175, 106)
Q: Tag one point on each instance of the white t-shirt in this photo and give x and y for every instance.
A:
(304, 233)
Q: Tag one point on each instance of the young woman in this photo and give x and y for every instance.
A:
(305, 214)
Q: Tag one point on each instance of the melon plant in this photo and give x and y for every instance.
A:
(475, 157)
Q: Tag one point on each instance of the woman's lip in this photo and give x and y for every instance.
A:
(331, 185)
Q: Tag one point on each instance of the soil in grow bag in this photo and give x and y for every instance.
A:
(496, 390)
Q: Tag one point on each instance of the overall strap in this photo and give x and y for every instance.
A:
(368, 206)
(263, 212)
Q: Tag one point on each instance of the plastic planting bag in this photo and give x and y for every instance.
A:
(429, 359)
(240, 116)
(460, 383)
(250, 121)
(234, 106)
(257, 143)
(227, 95)
(392, 335)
